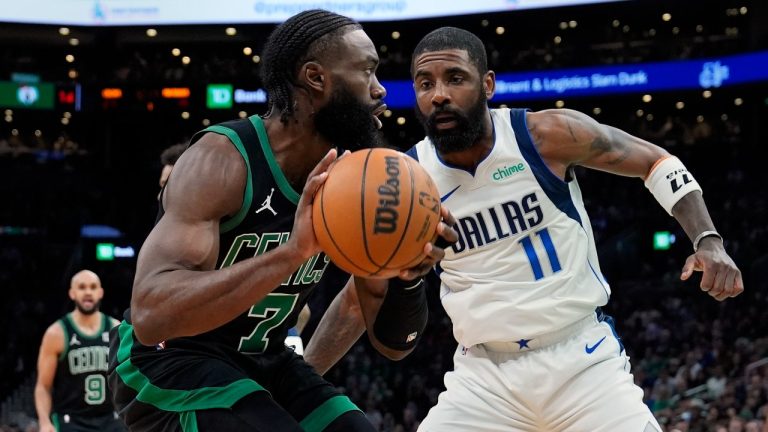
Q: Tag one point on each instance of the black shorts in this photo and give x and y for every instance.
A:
(75, 423)
(189, 386)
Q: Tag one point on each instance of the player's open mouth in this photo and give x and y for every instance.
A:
(376, 113)
(445, 121)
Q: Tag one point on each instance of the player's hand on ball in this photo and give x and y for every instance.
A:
(303, 236)
(720, 278)
(446, 236)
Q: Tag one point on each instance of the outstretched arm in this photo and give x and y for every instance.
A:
(340, 327)
(177, 290)
(393, 311)
(567, 137)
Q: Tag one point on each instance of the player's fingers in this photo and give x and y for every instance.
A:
(738, 286)
(707, 279)
(434, 253)
(718, 285)
(338, 158)
(688, 268)
(324, 163)
(448, 233)
(311, 187)
(447, 216)
(730, 283)
(445, 229)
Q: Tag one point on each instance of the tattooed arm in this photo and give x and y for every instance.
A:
(567, 137)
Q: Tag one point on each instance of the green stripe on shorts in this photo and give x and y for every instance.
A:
(188, 420)
(329, 411)
(55, 422)
(176, 400)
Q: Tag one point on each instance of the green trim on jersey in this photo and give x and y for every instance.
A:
(329, 411)
(233, 222)
(64, 352)
(188, 420)
(68, 318)
(176, 400)
(97, 335)
(277, 173)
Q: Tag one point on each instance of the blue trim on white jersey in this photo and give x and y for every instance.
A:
(555, 188)
(601, 280)
(413, 153)
(602, 317)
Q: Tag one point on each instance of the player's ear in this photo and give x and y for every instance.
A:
(313, 74)
(489, 84)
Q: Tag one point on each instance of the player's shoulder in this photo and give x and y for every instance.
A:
(209, 179)
(553, 118)
(54, 334)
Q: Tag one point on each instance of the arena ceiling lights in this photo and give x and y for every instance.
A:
(160, 12)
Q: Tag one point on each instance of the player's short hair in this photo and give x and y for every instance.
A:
(454, 38)
(170, 155)
(303, 37)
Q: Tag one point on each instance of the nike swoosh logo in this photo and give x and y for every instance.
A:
(591, 349)
(445, 197)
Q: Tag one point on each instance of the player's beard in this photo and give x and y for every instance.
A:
(348, 123)
(469, 126)
(88, 311)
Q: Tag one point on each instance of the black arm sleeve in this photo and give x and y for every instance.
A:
(403, 314)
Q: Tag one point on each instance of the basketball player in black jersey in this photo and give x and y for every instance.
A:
(230, 263)
(71, 391)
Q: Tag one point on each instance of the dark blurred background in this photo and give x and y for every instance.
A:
(81, 174)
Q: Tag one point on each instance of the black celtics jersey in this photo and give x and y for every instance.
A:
(80, 387)
(264, 222)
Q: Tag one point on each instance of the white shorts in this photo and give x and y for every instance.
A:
(580, 384)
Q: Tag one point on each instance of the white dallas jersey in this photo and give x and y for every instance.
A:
(525, 263)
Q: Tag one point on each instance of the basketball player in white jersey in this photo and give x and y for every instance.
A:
(523, 285)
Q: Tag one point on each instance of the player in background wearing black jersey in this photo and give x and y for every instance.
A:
(71, 390)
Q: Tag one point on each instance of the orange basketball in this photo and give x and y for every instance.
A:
(375, 212)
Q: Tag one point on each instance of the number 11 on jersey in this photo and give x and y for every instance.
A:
(546, 239)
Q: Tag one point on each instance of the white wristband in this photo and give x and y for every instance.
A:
(669, 181)
(704, 235)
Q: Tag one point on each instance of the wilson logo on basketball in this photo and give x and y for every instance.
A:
(389, 198)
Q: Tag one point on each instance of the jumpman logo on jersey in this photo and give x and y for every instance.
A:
(73, 340)
(267, 204)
